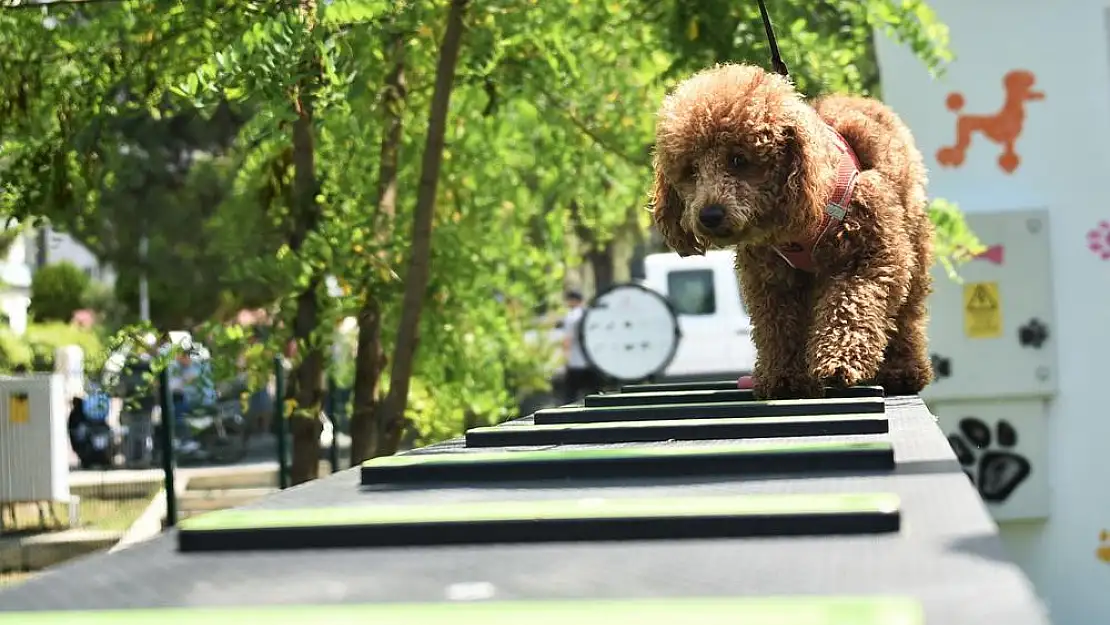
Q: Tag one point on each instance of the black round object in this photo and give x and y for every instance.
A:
(629, 332)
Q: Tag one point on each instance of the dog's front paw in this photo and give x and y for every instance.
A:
(788, 387)
(838, 373)
(905, 380)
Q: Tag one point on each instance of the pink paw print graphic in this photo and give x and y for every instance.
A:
(1098, 240)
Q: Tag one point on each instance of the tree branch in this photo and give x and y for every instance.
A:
(591, 133)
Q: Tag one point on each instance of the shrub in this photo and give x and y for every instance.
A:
(57, 291)
(43, 339)
(14, 351)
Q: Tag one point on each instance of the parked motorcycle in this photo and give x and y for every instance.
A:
(220, 431)
(216, 433)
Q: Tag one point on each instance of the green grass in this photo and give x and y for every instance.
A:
(11, 578)
(112, 514)
(100, 513)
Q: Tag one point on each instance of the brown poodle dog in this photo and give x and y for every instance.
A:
(826, 207)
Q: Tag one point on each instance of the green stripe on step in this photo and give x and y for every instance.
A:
(702, 395)
(621, 425)
(710, 385)
(569, 455)
(802, 610)
(537, 510)
(609, 432)
(747, 405)
(703, 410)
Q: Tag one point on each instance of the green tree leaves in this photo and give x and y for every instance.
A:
(177, 119)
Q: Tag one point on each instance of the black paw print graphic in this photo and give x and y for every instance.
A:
(1000, 470)
(1033, 334)
(942, 367)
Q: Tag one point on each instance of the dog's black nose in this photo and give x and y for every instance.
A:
(712, 216)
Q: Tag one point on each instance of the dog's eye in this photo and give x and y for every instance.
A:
(737, 162)
(689, 172)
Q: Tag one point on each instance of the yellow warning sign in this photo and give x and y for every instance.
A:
(982, 310)
(19, 410)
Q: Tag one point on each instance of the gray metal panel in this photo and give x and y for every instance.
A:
(1020, 267)
(948, 553)
(34, 446)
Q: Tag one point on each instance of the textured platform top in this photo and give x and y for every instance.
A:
(826, 515)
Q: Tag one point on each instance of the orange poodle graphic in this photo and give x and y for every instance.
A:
(1003, 127)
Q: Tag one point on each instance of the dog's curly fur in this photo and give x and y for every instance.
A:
(745, 140)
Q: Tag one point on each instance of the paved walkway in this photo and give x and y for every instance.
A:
(127, 476)
(262, 456)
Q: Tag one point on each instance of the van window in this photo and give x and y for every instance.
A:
(691, 292)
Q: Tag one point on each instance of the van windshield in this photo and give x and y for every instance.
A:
(691, 292)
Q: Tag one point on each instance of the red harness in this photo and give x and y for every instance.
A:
(800, 255)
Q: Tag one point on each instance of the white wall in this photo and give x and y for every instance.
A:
(1065, 167)
(62, 247)
(15, 283)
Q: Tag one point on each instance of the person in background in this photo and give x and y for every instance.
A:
(77, 425)
(97, 402)
(581, 378)
(185, 392)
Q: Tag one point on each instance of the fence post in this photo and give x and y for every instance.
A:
(333, 453)
(168, 450)
(281, 423)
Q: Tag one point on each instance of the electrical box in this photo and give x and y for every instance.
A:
(1003, 447)
(34, 443)
(993, 335)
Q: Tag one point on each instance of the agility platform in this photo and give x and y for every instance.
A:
(688, 503)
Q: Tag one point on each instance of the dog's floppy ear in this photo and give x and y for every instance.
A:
(667, 208)
(804, 184)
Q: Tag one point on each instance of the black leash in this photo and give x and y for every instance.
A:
(776, 58)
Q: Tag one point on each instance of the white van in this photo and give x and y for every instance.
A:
(716, 338)
(716, 341)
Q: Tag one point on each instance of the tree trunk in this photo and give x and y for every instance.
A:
(419, 270)
(307, 390)
(308, 378)
(602, 264)
(369, 362)
(370, 357)
(598, 255)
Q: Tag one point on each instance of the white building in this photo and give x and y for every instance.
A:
(17, 268)
(15, 285)
(62, 247)
(1016, 133)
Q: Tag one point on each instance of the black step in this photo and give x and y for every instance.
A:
(629, 462)
(709, 396)
(620, 518)
(678, 429)
(715, 385)
(728, 410)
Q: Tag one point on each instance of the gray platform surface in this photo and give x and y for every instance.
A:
(947, 554)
